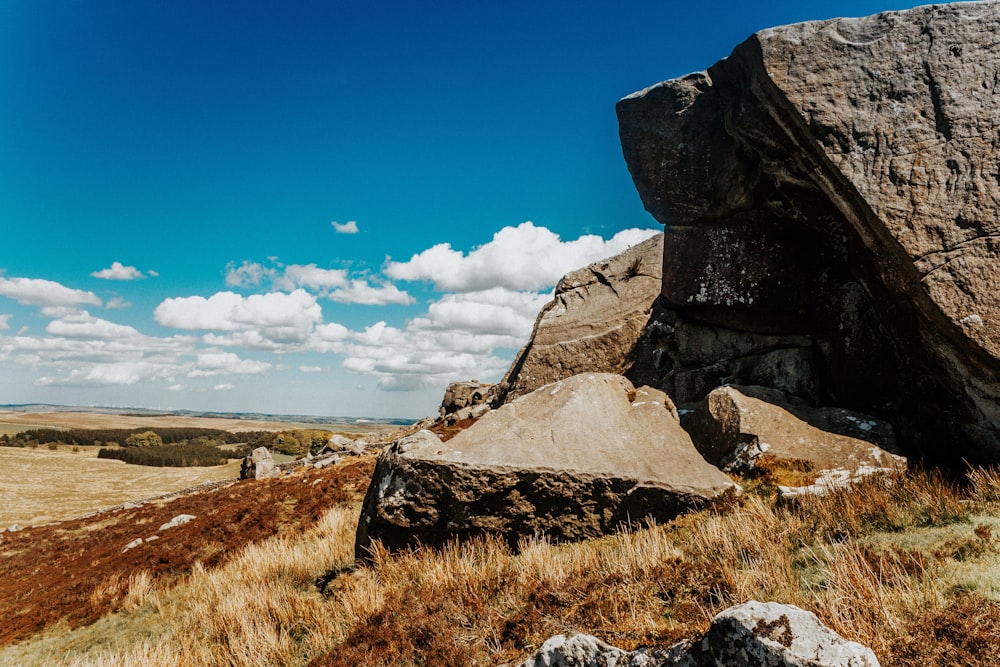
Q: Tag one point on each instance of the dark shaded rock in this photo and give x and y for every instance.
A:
(593, 323)
(832, 188)
(572, 460)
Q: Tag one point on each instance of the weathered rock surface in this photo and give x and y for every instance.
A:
(753, 634)
(572, 460)
(735, 426)
(259, 465)
(830, 193)
(460, 396)
(593, 322)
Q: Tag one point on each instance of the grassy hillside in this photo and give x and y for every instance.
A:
(266, 576)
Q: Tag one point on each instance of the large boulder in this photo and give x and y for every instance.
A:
(593, 323)
(831, 192)
(572, 460)
(742, 428)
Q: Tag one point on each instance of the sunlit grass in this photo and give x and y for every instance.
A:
(894, 564)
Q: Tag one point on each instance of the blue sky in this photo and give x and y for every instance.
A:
(320, 208)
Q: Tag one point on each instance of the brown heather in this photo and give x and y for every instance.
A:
(909, 566)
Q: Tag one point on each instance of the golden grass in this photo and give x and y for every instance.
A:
(39, 486)
(883, 563)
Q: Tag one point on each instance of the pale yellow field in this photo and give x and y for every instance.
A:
(14, 422)
(39, 486)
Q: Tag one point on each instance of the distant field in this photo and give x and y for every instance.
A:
(39, 486)
(14, 422)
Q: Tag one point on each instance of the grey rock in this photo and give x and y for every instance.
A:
(464, 395)
(753, 634)
(574, 459)
(178, 520)
(593, 322)
(576, 651)
(835, 182)
(259, 465)
(758, 634)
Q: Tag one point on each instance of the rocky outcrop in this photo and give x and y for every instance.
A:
(738, 428)
(753, 634)
(830, 194)
(460, 398)
(593, 322)
(259, 465)
(572, 460)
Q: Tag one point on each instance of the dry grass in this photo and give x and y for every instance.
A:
(38, 486)
(883, 563)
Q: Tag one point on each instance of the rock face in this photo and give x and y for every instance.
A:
(753, 634)
(593, 323)
(572, 460)
(735, 426)
(830, 193)
(259, 465)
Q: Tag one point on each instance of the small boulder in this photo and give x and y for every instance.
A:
(737, 428)
(461, 395)
(572, 460)
(178, 520)
(259, 465)
(753, 634)
(779, 635)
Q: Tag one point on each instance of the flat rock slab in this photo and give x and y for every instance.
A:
(572, 460)
(737, 428)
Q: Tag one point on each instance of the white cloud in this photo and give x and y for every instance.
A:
(5, 321)
(41, 292)
(81, 324)
(216, 362)
(525, 257)
(363, 293)
(225, 386)
(247, 274)
(311, 369)
(118, 271)
(349, 227)
(310, 276)
(117, 303)
(275, 317)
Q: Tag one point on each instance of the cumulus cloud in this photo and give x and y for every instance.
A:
(363, 293)
(310, 369)
(118, 271)
(117, 303)
(525, 257)
(5, 321)
(41, 292)
(81, 324)
(349, 227)
(225, 386)
(217, 362)
(276, 317)
(310, 276)
(247, 274)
